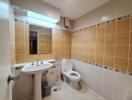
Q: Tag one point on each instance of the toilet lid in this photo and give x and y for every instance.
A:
(66, 65)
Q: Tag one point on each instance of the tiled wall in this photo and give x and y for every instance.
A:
(60, 45)
(108, 83)
(108, 44)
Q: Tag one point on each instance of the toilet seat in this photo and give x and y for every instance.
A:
(67, 70)
(73, 75)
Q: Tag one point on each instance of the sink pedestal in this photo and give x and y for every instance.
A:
(37, 71)
(37, 86)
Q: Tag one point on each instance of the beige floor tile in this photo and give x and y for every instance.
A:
(67, 93)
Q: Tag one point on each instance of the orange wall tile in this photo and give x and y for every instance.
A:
(131, 38)
(122, 38)
(109, 50)
(99, 59)
(130, 52)
(109, 61)
(110, 27)
(101, 29)
(100, 50)
(121, 64)
(131, 23)
(130, 66)
(123, 25)
(121, 51)
(110, 39)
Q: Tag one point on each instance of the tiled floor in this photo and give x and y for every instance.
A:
(67, 93)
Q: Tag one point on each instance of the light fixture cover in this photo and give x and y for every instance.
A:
(41, 17)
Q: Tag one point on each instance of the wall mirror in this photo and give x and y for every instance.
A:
(40, 37)
(40, 40)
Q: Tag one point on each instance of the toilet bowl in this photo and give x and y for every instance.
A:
(73, 78)
(73, 75)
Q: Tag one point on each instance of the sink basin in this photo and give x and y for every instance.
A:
(37, 71)
(33, 69)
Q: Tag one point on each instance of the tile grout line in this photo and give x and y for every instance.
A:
(24, 41)
(128, 57)
(127, 72)
(104, 52)
(116, 25)
(129, 45)
(96, 42)
(129, 50)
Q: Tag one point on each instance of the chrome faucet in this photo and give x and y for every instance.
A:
(41, 62)
(37, 62)
(32, 63)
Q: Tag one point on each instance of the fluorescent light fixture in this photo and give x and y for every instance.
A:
(41, 17)
(34, 21)
(40, 22)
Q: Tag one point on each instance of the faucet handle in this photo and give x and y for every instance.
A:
(37, 62)
(32, 63)
(41, 62)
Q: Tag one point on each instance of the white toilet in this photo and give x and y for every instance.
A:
(70, 76)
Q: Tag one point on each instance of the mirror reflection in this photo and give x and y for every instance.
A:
(40, 39)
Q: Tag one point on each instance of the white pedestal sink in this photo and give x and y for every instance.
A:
(37, 71)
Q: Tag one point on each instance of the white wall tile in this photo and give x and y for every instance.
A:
(110, 84)
(120, 78)
(98, 84)
(108, 74)
(119, 92)
(107, 89)
(129, 94)
(129, 82)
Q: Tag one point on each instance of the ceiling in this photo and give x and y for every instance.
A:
(73, 9)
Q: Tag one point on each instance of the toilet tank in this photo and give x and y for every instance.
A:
(66, 65)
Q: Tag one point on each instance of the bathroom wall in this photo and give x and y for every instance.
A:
(107, 44)
(108, 83)
(113, 9)
(107, 49)
(101, 42)
(60, 45)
